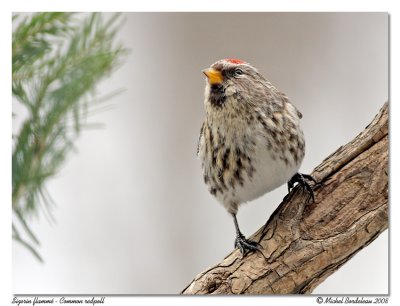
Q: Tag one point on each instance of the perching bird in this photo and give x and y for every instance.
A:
(250, 141)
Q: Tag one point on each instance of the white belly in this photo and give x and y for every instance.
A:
(270, 173)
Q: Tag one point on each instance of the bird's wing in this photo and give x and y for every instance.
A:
(298, 112)
(285, 99)
(198, 142)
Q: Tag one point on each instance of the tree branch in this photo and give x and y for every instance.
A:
(305, 243)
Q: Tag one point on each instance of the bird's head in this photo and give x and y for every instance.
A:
(233, 83)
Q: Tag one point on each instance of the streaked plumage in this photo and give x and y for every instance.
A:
(251, 141)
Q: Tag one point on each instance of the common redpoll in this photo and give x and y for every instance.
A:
(250, 141)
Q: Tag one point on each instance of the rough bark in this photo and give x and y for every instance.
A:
(305, 243)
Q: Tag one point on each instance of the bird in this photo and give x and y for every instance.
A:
(250, 141)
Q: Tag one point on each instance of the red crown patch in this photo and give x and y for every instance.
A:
(234, 61)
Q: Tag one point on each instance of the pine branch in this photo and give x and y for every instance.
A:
(57, 62)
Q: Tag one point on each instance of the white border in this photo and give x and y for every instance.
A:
(203, 5)
(188, 5)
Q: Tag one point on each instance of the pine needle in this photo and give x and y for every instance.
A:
(57, 61)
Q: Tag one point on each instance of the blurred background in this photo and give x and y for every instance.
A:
(132, 213)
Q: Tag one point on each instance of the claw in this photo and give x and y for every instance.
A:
(308, 177)
(305, 186)
(243, 244)
(246, 245)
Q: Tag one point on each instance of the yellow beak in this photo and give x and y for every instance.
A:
(214, 76)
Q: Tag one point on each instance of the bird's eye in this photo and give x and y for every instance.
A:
(238, 72)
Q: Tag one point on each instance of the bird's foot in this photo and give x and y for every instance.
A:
(246, 245)
(301, 179)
